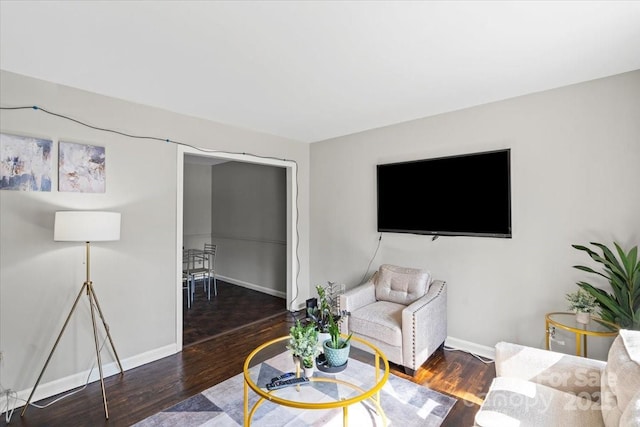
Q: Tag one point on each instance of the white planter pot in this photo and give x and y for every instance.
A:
(308, 372)
(583, 317)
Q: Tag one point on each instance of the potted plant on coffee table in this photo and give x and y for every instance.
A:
(583, 304)
(320, 314)
(336, 348)
(303, 344)
(327, 307)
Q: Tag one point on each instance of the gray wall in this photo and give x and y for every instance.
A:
(575, 176)
(249, 225)
(241, 207)
(196, 222)
(136, 277)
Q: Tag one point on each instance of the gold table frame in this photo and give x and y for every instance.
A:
(580, 333)
(373, 394)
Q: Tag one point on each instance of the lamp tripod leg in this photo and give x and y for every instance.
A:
(95, 340)
(94, 297)
(93, 304)
(44, 368)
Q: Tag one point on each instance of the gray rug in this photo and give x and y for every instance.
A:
(405, 404)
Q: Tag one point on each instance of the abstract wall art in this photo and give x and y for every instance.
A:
(25, 163)
(81, 168)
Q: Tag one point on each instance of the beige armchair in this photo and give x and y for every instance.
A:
(401, 311)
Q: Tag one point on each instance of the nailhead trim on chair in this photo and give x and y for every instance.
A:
(413, 337)
(413, 324)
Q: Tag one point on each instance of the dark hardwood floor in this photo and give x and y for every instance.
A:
(147, 389)
(234, 307)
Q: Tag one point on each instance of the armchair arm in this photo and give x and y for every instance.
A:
(424, 325)
(356, 298)
(573, 374)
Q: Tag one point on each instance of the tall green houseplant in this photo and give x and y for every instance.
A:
(622, 306)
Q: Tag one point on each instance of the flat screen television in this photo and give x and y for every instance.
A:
(463, 195)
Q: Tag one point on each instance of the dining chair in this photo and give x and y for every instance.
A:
(210, 252)
(188, 281)
(197, 267)
(187, 284)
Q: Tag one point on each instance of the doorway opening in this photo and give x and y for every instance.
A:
(288, 266)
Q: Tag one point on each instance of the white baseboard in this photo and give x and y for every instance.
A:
(254, 287)
(71, 382)
(471, 347)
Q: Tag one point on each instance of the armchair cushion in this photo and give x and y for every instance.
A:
(400, 284)
(383, 318)
(621, 379)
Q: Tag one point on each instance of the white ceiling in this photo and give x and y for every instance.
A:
(313, 70)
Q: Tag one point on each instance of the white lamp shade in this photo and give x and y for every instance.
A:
(86, 226)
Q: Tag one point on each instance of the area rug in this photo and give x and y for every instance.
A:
(405, 404)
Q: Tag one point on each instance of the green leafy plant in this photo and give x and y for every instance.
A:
(320, 314)
(307, 361)
(327, 305)
(334, 331)
(622, 305)
(582, 301)
(303, 342)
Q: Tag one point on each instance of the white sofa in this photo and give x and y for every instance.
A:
(535, 387)
(400, 310)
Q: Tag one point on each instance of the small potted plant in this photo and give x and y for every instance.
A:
(583, 304)
(303, 344)
(326, 309)
(320, 314)
(336, 348)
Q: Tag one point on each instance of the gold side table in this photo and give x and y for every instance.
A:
(567, 321)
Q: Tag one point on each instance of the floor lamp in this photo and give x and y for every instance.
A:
(85, 226)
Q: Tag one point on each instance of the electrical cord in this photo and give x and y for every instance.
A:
(295, 297)
(12, 394)
(372, 258)
(9, 394)
(484, 360)
(71, 393)
(204, 150)
(151, 138)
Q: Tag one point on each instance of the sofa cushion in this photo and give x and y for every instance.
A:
(400, 284)
(572, 374)
(382, 320)
(520, 403)
(621, 379)
(631, 415)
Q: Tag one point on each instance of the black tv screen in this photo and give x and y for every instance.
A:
(464, 195)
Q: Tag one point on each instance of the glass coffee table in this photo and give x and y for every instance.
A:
(360, 381)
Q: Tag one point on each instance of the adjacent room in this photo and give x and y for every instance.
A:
(417, 213)
(239, 209)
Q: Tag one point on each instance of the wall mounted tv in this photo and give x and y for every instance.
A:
(463, 195)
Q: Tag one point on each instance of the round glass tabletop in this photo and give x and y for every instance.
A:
(361, 379)
(595, 326)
